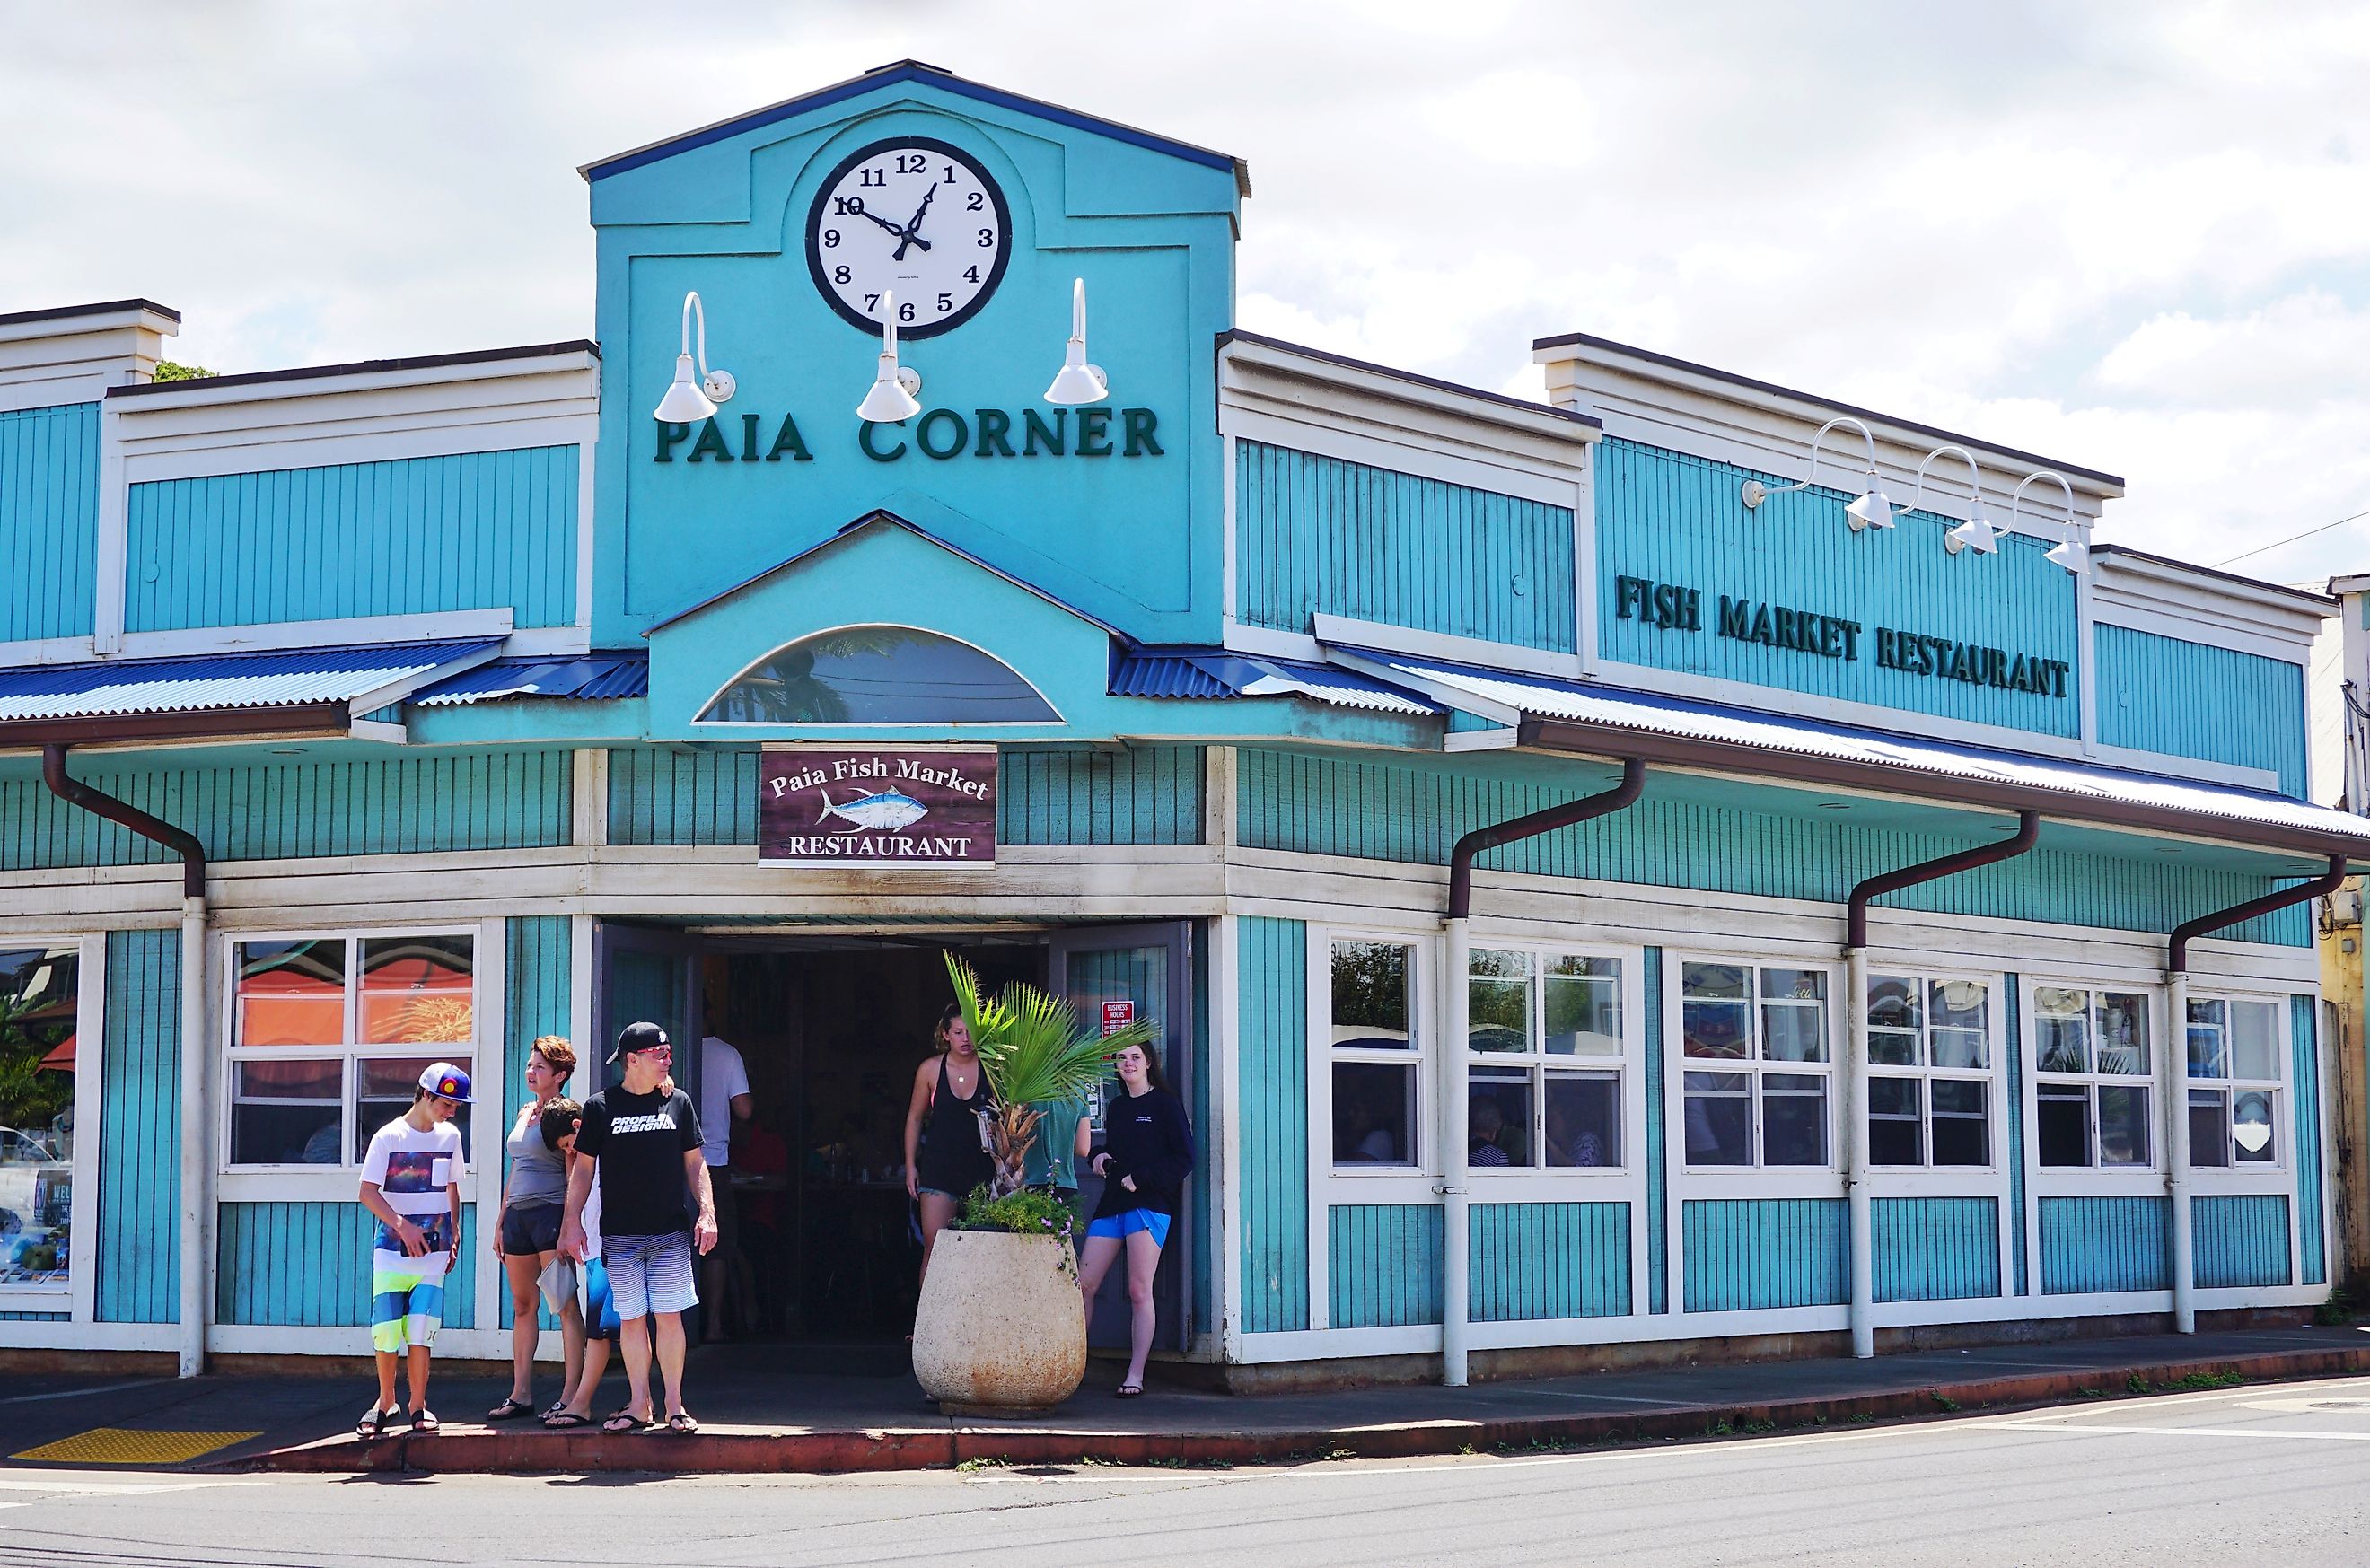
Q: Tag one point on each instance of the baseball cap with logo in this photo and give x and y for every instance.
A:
(446, 1081)
(643, 1037)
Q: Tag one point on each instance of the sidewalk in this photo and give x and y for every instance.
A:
(754, 1420)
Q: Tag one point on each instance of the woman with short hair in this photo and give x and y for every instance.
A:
(527, 1238)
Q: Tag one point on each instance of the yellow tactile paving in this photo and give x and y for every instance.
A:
(124, 1445)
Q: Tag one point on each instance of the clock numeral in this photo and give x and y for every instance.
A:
(873, 177)
(905, 311)
(847, 206)
(831, 239)
(946, 302)
(987, 239)
(841, 275)
(950, 176)
(978, 202)
(971, 274)
(912, 162)
(871, 304)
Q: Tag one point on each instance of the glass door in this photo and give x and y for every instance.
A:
(647, 974)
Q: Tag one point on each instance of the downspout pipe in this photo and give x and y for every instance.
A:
(1448, 1119)
(1854, 1098)
(2173, 1070)
(197, 1191)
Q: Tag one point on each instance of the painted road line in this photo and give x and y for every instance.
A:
(63, 1483)
(78, 1393)
(2061, 1429)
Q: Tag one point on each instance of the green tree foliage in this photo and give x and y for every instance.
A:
(167, 371)
(1034, 1053)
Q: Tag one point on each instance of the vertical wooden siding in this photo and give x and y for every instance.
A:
(258, 811)
(1272, 970)
(49, 522)
(1675, 519)
(139, 1251)
(1077, 795)
(1316, 534)
(1936, 1249)
(2303, 1020)
(1547, 1260)
(2163, 695)
(483, 530)
(2239, 1240)
(1200, 1192)
(1757, 1252)
(2012, 997)
(538, 958)
(2091, 1244)
(308, 1266)
(1658, 1245)
(1415, 810)
(1384, 1264)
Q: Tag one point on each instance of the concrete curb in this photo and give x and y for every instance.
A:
(743, 1451)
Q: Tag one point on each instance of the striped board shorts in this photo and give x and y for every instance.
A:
(406, 1302)
(649, 1274)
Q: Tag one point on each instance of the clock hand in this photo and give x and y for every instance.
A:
(914, 229)
(904, 237)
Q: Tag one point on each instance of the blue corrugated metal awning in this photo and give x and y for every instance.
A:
(588, 678)
(229, 682)
(1218, 673)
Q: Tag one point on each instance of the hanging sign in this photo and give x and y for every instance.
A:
(877, 806)
(1118, 1015)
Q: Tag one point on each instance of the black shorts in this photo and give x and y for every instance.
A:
(530, 1228)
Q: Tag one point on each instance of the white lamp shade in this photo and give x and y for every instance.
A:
(685, 404)
(1077, 383)
(2073, 555)
(1977, 534)
(1873, 509)
(888, 402)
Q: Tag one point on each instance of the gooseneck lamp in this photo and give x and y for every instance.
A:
(894, 386)
(1077, 382)
(1976, 533)
(2072, 552)
(688, 401)
(1871, 508)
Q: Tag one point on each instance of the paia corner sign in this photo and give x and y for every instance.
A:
(876, 805)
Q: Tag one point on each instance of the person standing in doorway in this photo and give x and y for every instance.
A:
(527, 1240)
(640, 1142)
(1148, 1153)
(411, 1185)
(724, 1104)
(946, 1129)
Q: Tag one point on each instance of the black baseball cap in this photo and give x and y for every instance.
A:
(644, 1036)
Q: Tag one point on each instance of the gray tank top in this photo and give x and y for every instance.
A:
(538, 1175)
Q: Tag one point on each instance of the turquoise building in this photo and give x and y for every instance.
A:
(1685, 862)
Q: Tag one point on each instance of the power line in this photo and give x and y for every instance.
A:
(2294, 537)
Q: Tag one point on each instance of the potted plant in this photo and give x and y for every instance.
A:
(1000, 1330)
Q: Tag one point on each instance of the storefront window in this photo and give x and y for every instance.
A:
(2234, 1082)
(879, 675)
(1760, 1097)
(40, 993)
(1375, 1074)
(2091, 1053)
(1929, 1052)
(1544, 1088)
(330, 1037)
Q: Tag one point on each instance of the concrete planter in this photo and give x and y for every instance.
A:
(1001, 1330)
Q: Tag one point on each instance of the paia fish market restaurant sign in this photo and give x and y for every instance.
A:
(840, 806)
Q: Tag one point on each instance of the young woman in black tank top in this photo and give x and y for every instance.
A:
(950, 1095)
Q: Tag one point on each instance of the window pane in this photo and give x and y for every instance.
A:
(1790, 1032)
(2254, 1041)
(416, 990)
(1715, 982)
(1966, 1050)
(879, 675)
(1370, 994)
(1374, 1113)
(1719, 1119)
(1892, 1047)
(1583, 1113)
(2122, 1034)
(291, 993)
(2209, 1128)
(1895, 1122)
(2250, 1128)
(385, 1090)
(1714, 1029)
(1498, 1005)
(40, 992)
(1962, 1122)
(1892, 1003)
(2124, 1138)
(2063, 1044)
(1793, 1118)
(1960, 1015)
(1794, 985)
(2063, 1114)
(1583, 1006)
(1497, 1117)
(2209, 1054)
(285, 1112)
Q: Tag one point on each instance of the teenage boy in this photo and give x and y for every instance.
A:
(639, 1139)
(411, 1185)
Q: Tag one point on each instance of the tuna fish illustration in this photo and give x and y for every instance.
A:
(889, 809)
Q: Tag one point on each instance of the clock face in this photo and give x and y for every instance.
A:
(915, 217)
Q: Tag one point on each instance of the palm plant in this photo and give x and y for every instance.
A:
(1034, 1053)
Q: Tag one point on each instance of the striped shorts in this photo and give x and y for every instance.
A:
(406, 1302)
(649, 1274)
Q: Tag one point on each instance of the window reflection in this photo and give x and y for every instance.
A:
(39, 1050)
(879, 675)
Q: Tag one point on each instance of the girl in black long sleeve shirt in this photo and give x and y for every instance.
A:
(1147, 1154)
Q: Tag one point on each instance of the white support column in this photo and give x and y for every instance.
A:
(114, 563)
(2173, 1074)
(197, 1145)
(589, 780)
(1856, 1142)
(1448, 1136)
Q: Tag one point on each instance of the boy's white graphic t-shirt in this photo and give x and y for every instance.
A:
(411, 1168)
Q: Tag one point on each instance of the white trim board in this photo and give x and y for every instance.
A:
(1530, 482)
(333, 448)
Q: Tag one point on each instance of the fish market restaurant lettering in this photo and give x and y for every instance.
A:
(829, 806)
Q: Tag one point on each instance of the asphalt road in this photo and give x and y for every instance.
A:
(2276, 1474)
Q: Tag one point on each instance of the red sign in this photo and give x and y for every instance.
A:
(1118, 1015)
(877, 806)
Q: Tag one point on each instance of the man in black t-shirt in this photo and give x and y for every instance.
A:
(641, 1137)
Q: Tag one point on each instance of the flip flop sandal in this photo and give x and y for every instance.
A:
(622, 1422)
(424, 1422)
(562, 1420)
(375, 1425)
(1128, 1390)
(683, 1424)
(510, 1409)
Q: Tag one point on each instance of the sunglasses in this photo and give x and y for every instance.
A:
(656, 1053)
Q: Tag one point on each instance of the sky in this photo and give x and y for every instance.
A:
(2135, 237)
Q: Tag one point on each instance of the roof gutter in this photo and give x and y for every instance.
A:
(211, 724)
(1448, 1117)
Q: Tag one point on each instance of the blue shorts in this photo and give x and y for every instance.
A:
(1118, 1226)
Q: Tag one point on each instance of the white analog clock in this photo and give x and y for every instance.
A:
(915, 217)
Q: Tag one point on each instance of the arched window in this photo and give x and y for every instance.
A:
(878, 675)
